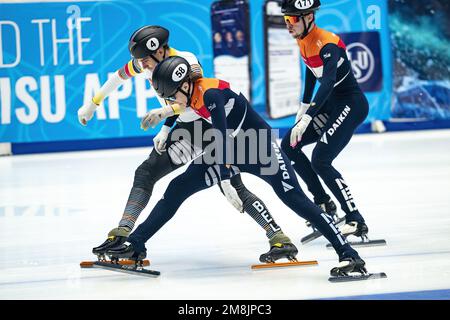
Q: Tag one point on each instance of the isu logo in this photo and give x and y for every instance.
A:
(362, 60)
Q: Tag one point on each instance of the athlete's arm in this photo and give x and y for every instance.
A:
(196, 72)
(215, 102)
(128, 71)
(86, 112)
(196, 68)
(330, 55)
(310, 83)
(171, 120)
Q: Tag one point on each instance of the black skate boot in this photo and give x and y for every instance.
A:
(121, 256)
(348, 264)
(116, 237)
(280, 247)
(352, 268)
(330, 208)
(126, 251)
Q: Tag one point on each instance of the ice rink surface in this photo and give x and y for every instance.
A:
(55, 207)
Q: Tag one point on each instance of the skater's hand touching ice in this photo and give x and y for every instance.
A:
(159, 141)
(299, 129)
(86, 112)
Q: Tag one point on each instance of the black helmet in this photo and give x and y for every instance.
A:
(145, 41)
(169, 75)
(299, 7)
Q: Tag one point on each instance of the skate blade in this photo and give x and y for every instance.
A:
(284, 264)
(124, 262)
(317, 234)
(360, 277)
(311, 237)
(360, 244)
(127, 269)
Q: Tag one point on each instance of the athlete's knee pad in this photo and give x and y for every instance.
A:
(151, 170)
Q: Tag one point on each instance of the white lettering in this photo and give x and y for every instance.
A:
(40, 23)
(5, 99)
(57, 41)
(81, 40)
(17, 38)
(60, 105)
(142, 94)
(24, 116)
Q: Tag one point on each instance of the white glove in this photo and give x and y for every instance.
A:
(86, 112)
(159, 141)
(299, 129)
(301, 111)
(231, 194)
(155, 116)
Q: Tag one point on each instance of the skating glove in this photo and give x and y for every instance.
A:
(299, 129)
(155, 116)
(301, 111)
(159, 141)
(228, 190)
(86, 112)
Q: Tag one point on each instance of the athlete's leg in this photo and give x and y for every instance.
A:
(344, 120)
(285, 185)
(156, 166)
(193, 180)
(255, 208)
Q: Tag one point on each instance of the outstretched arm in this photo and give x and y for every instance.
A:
(86, 112)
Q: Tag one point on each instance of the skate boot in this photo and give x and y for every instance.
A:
(280, 247)
(357, 229)
(125, 251)
(349, 263)
(116, 237)
(330, 208)
(352, 268)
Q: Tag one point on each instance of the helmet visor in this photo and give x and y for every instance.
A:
(291, 19)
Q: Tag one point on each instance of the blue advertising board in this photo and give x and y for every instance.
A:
(53, 56)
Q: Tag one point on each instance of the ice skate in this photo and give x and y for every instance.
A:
(135, 263)
(116, 237)
(352, 268)
(125, 251)
(281, 247)
(359, 229)
(330, 208)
